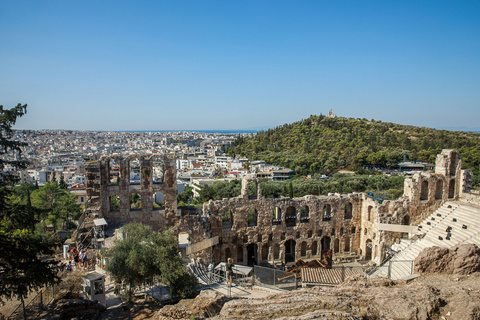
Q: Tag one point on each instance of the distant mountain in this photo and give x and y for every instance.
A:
(320, 144)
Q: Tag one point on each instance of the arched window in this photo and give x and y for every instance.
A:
(348, 211)
(424, 190)
(304, 214)
(327, 212)
(290, 216)
(252, 216)
(439, 190)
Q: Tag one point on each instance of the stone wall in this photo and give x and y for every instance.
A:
(103, 182)
(255, 229)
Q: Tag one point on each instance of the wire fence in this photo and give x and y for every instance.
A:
(35, 305)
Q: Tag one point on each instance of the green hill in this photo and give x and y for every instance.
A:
(321, 144)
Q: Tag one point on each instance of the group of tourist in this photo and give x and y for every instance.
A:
(81, 259)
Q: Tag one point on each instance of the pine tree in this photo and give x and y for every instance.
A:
(21, 269)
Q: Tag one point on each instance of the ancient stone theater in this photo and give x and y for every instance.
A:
(253, 229)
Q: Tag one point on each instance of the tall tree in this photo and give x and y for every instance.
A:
(141, 255)
(24, 262)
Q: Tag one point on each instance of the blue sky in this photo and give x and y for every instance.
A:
(156, 65)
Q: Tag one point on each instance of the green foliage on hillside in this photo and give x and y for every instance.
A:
(323, 145)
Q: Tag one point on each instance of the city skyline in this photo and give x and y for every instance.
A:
(119, 66)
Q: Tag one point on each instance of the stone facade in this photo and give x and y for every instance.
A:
(105, 181)
(254, 229)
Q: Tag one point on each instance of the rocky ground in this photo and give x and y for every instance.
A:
(451, 291)
(431, 296)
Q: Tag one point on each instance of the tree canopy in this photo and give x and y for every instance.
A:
(25, 257)
(142, 254)
(323, 145)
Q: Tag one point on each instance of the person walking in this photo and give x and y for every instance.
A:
(229, 270)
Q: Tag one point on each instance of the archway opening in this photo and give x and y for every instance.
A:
(451, 189)
(313, 248)
(424, 190)
(325, 242)
(336, 246)
(303, 249)
(135, 201)
(290, 216)
(327, 212)
(439, 190)
(277, 216)
(113, 172)
(265, 252)
(289, 250)
(114, 202)
(252, 190)
(453, 164)
(348, 211)
(252, 254)
(134, 171)
(158, 171)
(406, 220)
(346, 244)
(304, 214)
(252, 216)
(227, 218)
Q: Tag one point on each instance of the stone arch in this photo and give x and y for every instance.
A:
(114, 173)
(157, 163)
(451, 189)
(277, 216)
(290, 250)
(252, 217)
(309, 233)
(303, 249)
(327, 212)
(336, 246)
(346, 244)
(134, 173)
(325, 242)
(406, 220)
(313, 248)
(348, 211)
(439, 190)
(252, 249)
(453, 164)
(290, 216)
(304, 214)
(369, 214)
(424, 190)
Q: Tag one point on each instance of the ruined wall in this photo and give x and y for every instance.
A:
(254, 229)
(103, 183)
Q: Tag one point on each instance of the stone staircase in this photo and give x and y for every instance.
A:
(453, 223)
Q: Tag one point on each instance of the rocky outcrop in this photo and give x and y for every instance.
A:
(460, 259)
(203, 306)
(427, 297)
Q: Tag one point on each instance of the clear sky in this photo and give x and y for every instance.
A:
(185, 65)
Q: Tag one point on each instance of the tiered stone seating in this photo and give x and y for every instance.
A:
(452, 216)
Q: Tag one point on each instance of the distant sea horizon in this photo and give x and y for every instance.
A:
(206, 131)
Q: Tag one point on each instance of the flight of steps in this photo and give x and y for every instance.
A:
(443, 228)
